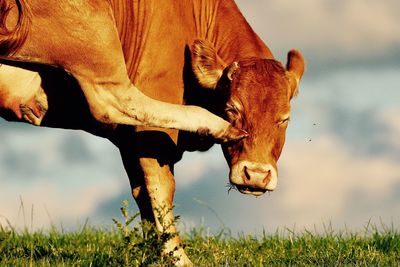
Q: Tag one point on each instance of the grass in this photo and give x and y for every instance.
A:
(303, 249)
(126, 245)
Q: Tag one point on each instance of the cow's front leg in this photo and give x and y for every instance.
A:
(148, 160)
(160, 188)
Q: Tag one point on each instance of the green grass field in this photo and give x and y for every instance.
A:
(94, 247)
(135, 244)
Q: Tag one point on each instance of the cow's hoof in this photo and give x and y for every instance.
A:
(184, 261)
(32, 112)
(232, 134)
(180, 255)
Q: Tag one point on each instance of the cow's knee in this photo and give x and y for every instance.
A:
(159, 181)
(21, 92)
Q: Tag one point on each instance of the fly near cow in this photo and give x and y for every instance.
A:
(136, 72)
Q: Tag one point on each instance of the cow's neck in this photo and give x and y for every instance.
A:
(232, 37)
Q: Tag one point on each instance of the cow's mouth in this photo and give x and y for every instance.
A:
(250, 190)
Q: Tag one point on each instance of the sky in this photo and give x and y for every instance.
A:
(340, 165)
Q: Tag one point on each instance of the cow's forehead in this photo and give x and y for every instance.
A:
(262, 85)
(262, 67)
(260, 74)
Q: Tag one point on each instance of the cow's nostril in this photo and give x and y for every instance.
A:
(246, 173)
(267, 178)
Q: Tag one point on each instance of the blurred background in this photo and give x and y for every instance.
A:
(340, 164)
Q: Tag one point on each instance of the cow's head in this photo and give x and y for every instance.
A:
(256, 97)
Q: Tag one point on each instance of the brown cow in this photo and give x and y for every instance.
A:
(199, 52)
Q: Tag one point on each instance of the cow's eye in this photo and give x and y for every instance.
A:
(233, 116)
(232, 111)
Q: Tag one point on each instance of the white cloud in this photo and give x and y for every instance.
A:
(391, 117)
(347, 28)
(35, 168)
(52, 203)
(195, 165)
(321, 176)
(326, 179)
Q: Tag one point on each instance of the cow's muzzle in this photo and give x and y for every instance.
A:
(253, 178)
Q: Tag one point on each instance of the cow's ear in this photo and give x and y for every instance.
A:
(206, 64)
(295, 68)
